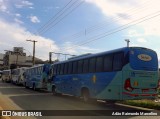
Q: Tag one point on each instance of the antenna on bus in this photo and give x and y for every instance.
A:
(127, 40)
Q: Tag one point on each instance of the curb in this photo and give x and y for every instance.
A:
(136, 107)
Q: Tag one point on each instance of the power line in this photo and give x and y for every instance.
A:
(116, 30)
(48, 23)
(49, 27)
(53, 17)
(96, 27)
(50, 20)
(56, 20)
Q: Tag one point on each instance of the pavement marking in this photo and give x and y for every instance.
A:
(141, 108)
(33, 94)
(12, 87)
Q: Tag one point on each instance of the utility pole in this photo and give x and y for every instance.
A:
(127, 40)
(33, 59)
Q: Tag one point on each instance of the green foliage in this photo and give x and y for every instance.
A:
(143, 103)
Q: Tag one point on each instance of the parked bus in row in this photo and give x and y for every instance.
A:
(18, 75)
(121, 74)
(36, 77)
(1, 74)
(6, 75)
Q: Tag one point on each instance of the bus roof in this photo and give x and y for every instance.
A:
(39, 65)
(6, 70)
(103, 53)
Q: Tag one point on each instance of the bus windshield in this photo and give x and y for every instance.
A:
(143, 59)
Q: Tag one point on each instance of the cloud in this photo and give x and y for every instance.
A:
(3, 7)
(24, 3)
(111, 9)
(122, 12)
(34, 19)
(133, 33)
(69, 47)
(18, 21)
(14, 35)
(18, 15)
(27, 3)
(141, 40)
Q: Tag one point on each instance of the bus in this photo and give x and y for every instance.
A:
(6, 75)
(18, 75)
(36, 77)
(1, 74)
(120, 74)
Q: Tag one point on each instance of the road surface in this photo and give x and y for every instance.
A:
(14, 97)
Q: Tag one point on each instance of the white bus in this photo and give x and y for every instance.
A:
(18, 75)
(6, 75)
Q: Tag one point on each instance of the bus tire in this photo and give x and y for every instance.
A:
(34, 87)
(25, 84)
(16, 82)
(85, 95)
(54, 90)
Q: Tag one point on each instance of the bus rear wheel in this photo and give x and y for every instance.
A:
(85, 95)
(54, 90)
(26, 85)
(34, 87)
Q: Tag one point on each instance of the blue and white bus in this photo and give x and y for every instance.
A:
(18, 75)
(121, 74)
(36, 77)
(1, 74)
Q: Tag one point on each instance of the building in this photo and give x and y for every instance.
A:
(17, 58)
(1, 59)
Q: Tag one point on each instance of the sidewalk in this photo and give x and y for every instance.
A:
(2, 117)
(7, 104)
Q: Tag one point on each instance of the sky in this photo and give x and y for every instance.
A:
(78, 26)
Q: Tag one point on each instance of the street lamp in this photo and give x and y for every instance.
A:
(127, 40)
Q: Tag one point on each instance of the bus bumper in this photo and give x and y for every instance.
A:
(133, 96)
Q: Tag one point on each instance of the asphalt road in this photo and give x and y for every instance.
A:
(14, 97)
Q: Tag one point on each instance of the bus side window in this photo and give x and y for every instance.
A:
(92, 65)
(118, 61)
(62, 69)
(65, 68)
(58, 69)
(54, 69)
(126, 58)
(108, 61)
(70, 68)
(80, 66)
(75, 67)
(85, 66)
(99, 64)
